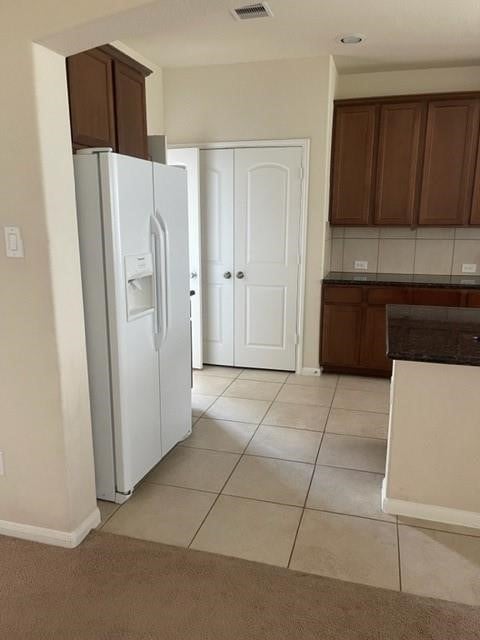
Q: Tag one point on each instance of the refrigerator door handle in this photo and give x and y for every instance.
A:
(157, 242)
(164, 275)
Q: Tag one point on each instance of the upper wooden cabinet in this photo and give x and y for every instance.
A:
(130, 111)
(90, 87)
(475, 214)
(449, 164)
(107, 101)
(398, 163)
(352, 164)
(406, 161)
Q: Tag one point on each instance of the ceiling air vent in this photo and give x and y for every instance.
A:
(252, 11)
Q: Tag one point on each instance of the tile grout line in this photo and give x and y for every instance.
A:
(195, 419)
(102, 524)
(311, 479)
(222, 395)
(222, 488)
(398, 557)
(211, 405)
(233, 470)
(295, 460)
(453, 533)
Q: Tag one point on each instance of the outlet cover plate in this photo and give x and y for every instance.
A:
(360, 265)
(469, 268)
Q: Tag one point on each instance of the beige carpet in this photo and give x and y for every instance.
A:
(116, 588)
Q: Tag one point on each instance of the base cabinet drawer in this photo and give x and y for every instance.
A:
(388, 295)
(347, 295)
(437, 297)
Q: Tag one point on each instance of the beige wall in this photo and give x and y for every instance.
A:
(264, 100)
(434, 250)
(45, 431)
(391, 83)
(433, 453)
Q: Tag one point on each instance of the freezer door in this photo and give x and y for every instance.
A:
(127, 193)
(171, 213)
(90, 233)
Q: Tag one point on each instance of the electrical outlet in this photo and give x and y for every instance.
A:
(361, 265)
(2, 465)
(469, 268)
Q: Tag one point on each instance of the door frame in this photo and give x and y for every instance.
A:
(304, 144)
(194, 222)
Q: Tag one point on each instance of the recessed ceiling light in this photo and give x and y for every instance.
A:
(351, 38)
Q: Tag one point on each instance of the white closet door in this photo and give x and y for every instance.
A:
(267, 221)
(216, 193)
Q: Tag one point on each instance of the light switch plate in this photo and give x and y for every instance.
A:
(361, 265)
(469, 268)
(13, 242)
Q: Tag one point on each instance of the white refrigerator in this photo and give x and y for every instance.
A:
(133, 230)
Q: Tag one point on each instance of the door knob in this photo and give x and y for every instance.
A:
(194, 275)
(240, 275)
(227, 275)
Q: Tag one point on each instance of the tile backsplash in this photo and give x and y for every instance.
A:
(435, 250)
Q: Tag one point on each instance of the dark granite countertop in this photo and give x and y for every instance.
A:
(403, 279)
(446, 335)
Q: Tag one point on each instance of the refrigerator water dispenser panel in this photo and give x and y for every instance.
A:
(139, 284)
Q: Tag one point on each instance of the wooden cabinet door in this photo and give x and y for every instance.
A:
(398, 163)
(341, 329)
(90, 90)
(450, 145)
(373, 354)
(475, 211)
(130, 111)
(473, 299)
(352, 164)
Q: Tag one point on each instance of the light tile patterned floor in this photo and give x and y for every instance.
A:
(287, 470)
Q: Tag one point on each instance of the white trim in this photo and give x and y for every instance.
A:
(304, 143)
(67, 539)
(302, 275)
(431, 512)
(310, 371)
(239, 144)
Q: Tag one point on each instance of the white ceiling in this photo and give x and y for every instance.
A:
(399, 33)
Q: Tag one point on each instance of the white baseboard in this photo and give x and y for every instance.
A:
(309, 371)
(429, 512)
(67, 539)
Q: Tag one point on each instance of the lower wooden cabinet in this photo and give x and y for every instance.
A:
(373, 352)
(473, 299)
(342, 325)
(354, 322)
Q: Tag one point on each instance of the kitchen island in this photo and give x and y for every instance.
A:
(433, 456)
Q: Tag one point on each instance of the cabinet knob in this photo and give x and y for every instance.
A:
(240, 275)
(227, 275)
